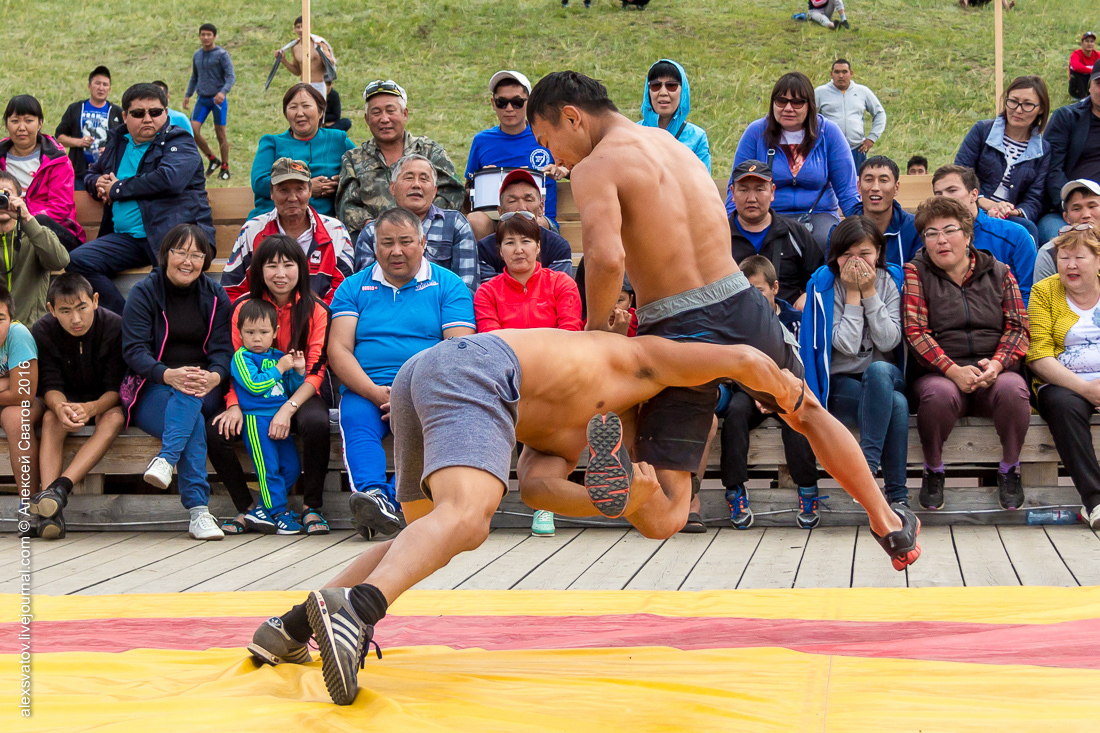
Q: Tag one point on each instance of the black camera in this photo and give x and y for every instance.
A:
(4, 200)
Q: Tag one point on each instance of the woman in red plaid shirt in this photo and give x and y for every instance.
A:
(967, 328)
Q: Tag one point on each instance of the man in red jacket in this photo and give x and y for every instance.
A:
(1081, 63)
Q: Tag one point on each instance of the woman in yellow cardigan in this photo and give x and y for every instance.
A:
(1065, 357)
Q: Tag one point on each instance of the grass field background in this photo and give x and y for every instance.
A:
(930, 63)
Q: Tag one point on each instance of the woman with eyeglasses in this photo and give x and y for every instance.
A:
(1064, 358)
(322, 148)
(526, 295)
(967, 329)
(177, 345)
(811, 161)
(1010, 155)
(666, 103)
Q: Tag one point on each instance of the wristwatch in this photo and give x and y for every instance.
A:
(296, 405)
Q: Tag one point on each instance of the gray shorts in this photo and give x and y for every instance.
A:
(455, 404)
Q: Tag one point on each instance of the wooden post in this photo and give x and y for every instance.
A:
(307, 43)
(998, 52)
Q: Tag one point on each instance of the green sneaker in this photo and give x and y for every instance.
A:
(542, 524)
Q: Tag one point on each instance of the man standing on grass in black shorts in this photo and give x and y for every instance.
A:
(457, 410)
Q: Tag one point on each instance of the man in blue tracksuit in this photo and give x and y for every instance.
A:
(666, 103)
(212, 76)
(878, 182)
(264, 377)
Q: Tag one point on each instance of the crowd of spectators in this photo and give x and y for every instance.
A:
(354, 258)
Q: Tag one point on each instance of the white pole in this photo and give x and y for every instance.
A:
(307, 43)
(999, 52)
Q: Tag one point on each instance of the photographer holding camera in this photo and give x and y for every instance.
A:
(28, 253)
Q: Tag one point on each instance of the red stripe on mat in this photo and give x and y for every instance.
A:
(1070, 644)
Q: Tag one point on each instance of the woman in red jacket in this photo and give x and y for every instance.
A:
(525, 295)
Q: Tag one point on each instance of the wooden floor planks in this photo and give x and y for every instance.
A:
(578, 559)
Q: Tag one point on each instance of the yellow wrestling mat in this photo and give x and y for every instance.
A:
(929, 659)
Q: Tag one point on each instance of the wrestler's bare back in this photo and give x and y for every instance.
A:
(671, 219)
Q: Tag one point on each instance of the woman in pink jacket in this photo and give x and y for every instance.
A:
(42, 168)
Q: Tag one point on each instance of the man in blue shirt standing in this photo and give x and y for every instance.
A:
(511, 144)
(149, 179)
(1007, 241)
(212, 77)
(381, 316)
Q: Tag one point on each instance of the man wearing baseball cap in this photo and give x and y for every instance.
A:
(520, 192)
(1074, 136)
(511, 144)
(1080, 205)
(364, 189)
(1081, 63)
(323, 238)
(757, 230)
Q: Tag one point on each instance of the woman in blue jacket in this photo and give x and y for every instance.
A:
(666, 103)
(1010, 155)
(177, 345)
(852, 346)
(811, 161)
(322, 148)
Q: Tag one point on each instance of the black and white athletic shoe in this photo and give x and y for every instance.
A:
(272, 645)
(342, 639)
(213, 166)
(49, 501)
(373, 510)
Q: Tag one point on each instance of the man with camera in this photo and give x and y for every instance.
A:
(30, 252)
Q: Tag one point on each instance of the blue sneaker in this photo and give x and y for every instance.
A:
(798, 16)
(287, 523)
(808, 518)
(260, 520)
(740, 513)
(371, 509)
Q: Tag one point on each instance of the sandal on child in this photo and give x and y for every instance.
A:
(234, 526)
(314, 523)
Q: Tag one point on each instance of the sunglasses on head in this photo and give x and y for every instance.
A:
(514, 102)
(140, 113)
(655, 86)
(782, 102)
(523, 214)
(380, 85)
(1075, 228)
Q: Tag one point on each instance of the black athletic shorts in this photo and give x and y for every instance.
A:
(673, 426)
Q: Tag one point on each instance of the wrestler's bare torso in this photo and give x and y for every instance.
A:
(660, 198)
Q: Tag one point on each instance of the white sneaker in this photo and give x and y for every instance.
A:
(205, 527)
(1093, 519)
(159, 473)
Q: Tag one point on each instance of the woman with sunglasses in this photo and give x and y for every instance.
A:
(1010, 155)
(526, 295)
(966, 326)
(1064, 357)
(811, 161)
(322, 148)
(666, 103)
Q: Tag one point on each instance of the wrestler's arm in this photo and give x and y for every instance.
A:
(597, 200)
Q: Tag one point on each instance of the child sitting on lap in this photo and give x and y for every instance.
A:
(264, 377)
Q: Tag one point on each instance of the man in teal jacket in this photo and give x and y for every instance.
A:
(666, 103)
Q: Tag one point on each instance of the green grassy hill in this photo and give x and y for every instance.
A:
(930, 62)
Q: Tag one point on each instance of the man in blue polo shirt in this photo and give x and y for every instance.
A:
(381, 316)
(1007, 241)
(511, 144)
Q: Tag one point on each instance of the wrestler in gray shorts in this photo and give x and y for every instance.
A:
(455, 404)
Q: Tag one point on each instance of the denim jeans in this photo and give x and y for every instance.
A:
(1048, 227)
(177, 419)
(860, 401)
(104, 257)
(362, 428)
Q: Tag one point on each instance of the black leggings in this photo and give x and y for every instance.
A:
(310, 423)
(1067, 415)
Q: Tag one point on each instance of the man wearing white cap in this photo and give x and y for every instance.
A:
(1080, 205)
(511, 144)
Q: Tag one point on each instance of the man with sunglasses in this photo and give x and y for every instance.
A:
(366, 172)
(149, 178)
(1080, 207)
(511, 144)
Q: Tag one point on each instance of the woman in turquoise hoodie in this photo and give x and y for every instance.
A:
(322, 148)
(666, 103)
(853, 350)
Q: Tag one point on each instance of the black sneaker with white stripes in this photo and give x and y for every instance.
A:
(342, 639)
(372, 509)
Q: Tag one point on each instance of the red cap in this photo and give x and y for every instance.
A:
(518, 175)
